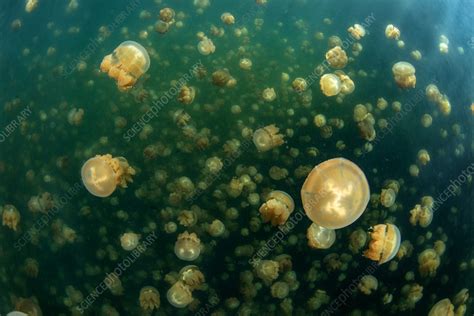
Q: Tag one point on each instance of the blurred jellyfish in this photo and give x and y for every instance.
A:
(102, 174)
(128, 62)
(179, 295)
(404, 74)
(335, 193)
(384, 243)
(187, 246)
(337, 57)
(149, 298)
(392, 32)
(320, 237)
(129, 241)
(357, 31)
(31, 5)
(268, 94)
(442, 308)
(368, 284)
(206, 46)
(10, 217)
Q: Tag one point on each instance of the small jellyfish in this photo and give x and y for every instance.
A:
(102, 174)
(129, 241)
(179, 295)
(267, 138)
(423, 157)
(320, 237)
(277, 208)
(299, 85)
(337, 57)
(186, 94)
(191, 277)
(384, 243)
(187, 246)
(387, 197)
(167, 15)
(368, 284)
(357, 31)
(245, 64)
(206, 46)
(404, 74)
(269, 94)
(227, 18)
(11, 217)
(442, 308)
(392, 32)
(31, 5)
(330, 85)
(128, 62)
(335, 193)
(149, 298)
(428, 262)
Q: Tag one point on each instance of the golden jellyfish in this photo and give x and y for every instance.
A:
(167, 15)
(227, 18)
(392, 32)
(347, 85)
(334, 41)
(267, 270)
(31, 5)
(206, 46)
(426, 120)
(443, 44)
(414, 170)
(337, 57)
(319, 120)
(129, 241)
(267, 138)
(335, 193)
(10, 217)
(428, 262)
(187, 246)
(368, 284)
(422, 215)
(191, 277)
(416, 55)
(404, 74)
(357, 31)
(423, 157)
(330, 85)
(245, 64)
(179, 295)
(128, 62)
(387, 197)
(102, 174)
(28, 306)
(442, 308)
(162, 27)
(384, 243)
(186, 94)
(269, 94)
(149, 298)
(277, 208)
(357, 240)
(320, 237)
(299, 85)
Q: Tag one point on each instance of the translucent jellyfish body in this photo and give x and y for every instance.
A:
(149, 298)
(404, 74)
(337, 57)
(267, 138)
(428, 262)
(335, 193)
(187, 246)
(206, 46)
(102, 174)
(392, 32)
(277, 208)
(10, 217)
(357, 31)
(442, 308)
(269, 94)
(179, 295)
(320, 237)
(128, 62)
(129, 241)
(384, 243)
(330, 85)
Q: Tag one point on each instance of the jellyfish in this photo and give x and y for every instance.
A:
(167, 15)
(357, 240)
(245, 64)
(320, 237)
(277, 208)
(404, 74)
(227, 18)
(31, 5)
(299, 85)
(11, 217)
(392, 32)
(149, 298)
(268, 94)
(179, 295)
(368, 284)
(206, 46)
(337, 57)
(357, 31)
(102, 174)
(335, 193)
(384, 243)
(428, 262)
(330, 85)
(129, 241)
(423, 157)
(191, 277)
(387, 197)
(186, 95)
(267, 138)
(29, 306)
(442, 308)
(267, 270)
(128, 62)
(187, 246)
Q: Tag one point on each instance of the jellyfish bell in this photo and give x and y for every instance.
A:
(179, 295)
(330, 85)
(384, 243)
(442, 308)
(320, 237)
(98, 177)
(335, 193)
(128, 62)
(404, 74)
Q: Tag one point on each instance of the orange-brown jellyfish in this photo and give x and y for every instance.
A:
(384, 243)
(404, 74)
(335, 193)
(128, 62)
(277, 208)
(267, 138)
(320, 237)
(102, 174)
(330, 85)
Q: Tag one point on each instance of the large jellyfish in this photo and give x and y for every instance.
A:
(335, 193)
(128, 62)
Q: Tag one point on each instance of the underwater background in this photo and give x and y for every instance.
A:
(50, 67)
